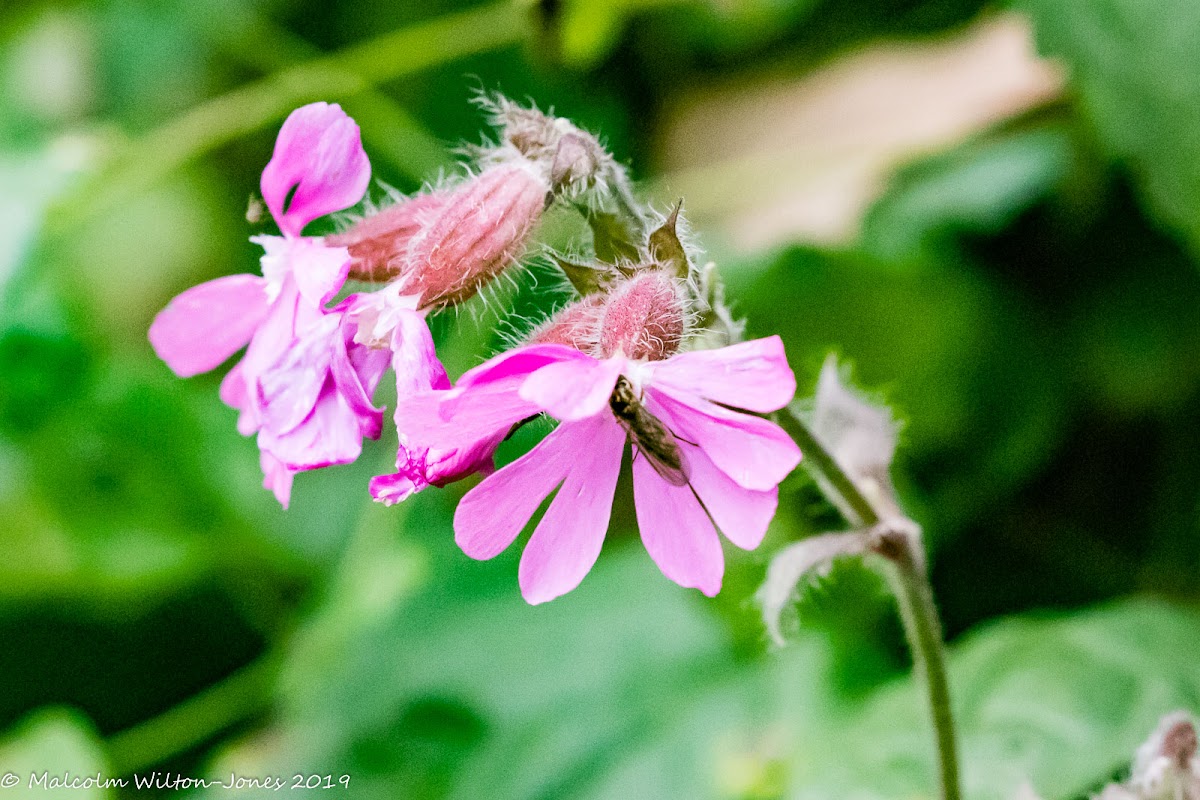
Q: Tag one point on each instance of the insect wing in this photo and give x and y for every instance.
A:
(658, 446)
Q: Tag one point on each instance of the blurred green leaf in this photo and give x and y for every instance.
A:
(979, 188)
(1137, 70)
(57, 744)
(960, 356)
(1062, 702)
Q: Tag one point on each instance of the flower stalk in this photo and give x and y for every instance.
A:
(895, 540)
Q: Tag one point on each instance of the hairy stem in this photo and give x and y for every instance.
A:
(923, 629)
(909, 581)
(820, 460)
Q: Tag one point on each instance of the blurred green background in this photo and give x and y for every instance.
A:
(1006, 248)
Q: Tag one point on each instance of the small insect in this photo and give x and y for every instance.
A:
(652, 439)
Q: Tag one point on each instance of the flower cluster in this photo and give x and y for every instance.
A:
(624, 363)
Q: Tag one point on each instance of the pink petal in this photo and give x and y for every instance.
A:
(743, 515)
(289, 388)
(677, 533)
(485, 401)
(287, 320)
(492, 514)
(567, 541)
(755, 453)
(419, 467)
(235, 394)
(330, 435)
(414, 358)
(205, 325)
(573, 390)
(425, 417)
(357, 370)
(320, 271)
(518, 363)
(276, 478)
(319, 154)
(393, 489)
(752, 375)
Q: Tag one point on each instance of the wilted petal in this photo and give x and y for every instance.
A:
(1165, 767)
(490, 516)
(752, 375)
(791, 564)
(755, 453)
(205, 325)
(319, 154)
(861, 436)
(567, 541)
(676, 531)
(573, 390)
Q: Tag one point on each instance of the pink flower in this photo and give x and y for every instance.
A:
(303, 397)
(704, 463)
(437, 249)
(395, 316)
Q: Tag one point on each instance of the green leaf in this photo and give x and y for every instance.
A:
(979, 188)
(1059, 701)
(1136, 68)
(55, 744)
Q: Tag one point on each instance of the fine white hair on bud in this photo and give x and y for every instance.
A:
(860, 435)
(796, 563)
(573, 162)
(1165, 767)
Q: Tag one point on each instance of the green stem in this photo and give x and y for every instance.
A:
(820, 460)
(914, 596)
(195, 720)
(922, 627)
(345, 74)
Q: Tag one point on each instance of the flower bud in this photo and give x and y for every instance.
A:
(379, 242)
(571, 160)
(575, 162)
(577, 325)
(480, 229)
(643, 318)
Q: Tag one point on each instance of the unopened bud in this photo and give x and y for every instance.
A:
(378, 243)
(577, 325)
(571, 160)
(480, 229)
(1165, 767)
(575, 162)
(643, 317)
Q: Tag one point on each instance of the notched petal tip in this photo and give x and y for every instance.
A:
(319, 162)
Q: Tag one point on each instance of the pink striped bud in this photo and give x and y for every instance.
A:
(379, 243)
(481, 228)
(643, 317)
(577, 325)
